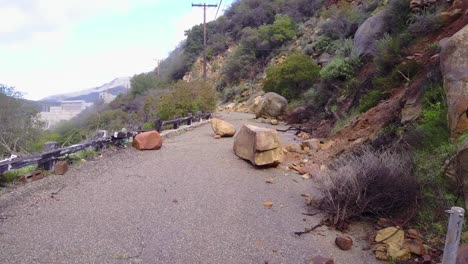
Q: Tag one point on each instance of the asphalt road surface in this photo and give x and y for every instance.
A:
(193, 201)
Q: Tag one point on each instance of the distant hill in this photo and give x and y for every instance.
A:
(115, 87)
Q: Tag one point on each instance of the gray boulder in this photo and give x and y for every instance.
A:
(368, 33)
(454, 65)
(272, 105)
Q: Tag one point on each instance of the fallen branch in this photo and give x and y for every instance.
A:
(308, 230)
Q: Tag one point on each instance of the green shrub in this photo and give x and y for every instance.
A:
(292, 77)
(424, 22)
(143, 82)
(14, 175)
(147, 126)
(387, 52)
(344, 20)
(345, 120)
(343, 47)
(340, 69)
(370, 100)
(187, 98)
(322, 44)
(239, 65)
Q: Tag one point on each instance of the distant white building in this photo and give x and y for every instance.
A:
(66, 111)
(106, 97)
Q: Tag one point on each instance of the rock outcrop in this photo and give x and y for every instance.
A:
(261, 146)
(150, 140)
(454, 65)
(368, 33)
(222, 128)
(272, 105)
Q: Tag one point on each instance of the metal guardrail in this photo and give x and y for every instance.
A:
(52, 153)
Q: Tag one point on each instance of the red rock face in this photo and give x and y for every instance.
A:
(150, 140)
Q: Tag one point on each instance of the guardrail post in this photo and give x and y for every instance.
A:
(189, 120)
(158, 125)
(199, 116)
(176, 123)
(454, 231)
(49, 146)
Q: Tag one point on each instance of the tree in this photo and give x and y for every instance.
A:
(296, 74)
(20, 124)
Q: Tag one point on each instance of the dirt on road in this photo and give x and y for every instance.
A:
(193, 201)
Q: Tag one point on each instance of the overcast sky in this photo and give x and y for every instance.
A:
(56, 46)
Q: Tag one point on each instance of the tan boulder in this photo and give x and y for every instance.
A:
(150, 140)
(313, 144)
(272, 105)
(454, 67)
(222, 128)
(261, 146)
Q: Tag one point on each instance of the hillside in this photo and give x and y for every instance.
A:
(115, 87)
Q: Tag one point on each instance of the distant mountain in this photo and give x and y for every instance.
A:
(115, 87)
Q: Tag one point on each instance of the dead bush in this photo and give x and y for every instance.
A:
(367, 183)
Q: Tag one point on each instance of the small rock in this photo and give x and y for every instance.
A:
(412, 233)
(427, 259)
(61, 167)
(274, 122)
(313, 144)
(415, 247)
(384, 222)
(268, 204)
(217, 136)
(306, 176)
(344, 242)
(321, 260)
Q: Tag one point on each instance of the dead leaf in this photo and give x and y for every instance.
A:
(268, 204)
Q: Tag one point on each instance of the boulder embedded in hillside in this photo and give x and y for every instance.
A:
(261, 146)
(61, 167)
(368, 33)
(454, 65)
(272, 105)
(222, 128)
(150, 140)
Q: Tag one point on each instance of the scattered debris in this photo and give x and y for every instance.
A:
(321, 260)
(268, 204)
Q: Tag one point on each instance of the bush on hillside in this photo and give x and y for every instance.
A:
(292, 77)
(368, 183)
(344, 20)
(340, 69)
(397, 14)
(423, 23)
(387, 52)
(187, 98)
(144, 82)
(239, 65)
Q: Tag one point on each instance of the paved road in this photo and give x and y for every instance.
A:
(193, 201)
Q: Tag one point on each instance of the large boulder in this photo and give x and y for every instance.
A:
(272, 105)
(222, 128)
(261, 146)
(150, 140)
(454, 65)
(368, 33)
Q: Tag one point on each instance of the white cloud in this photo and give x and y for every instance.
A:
(13, 19)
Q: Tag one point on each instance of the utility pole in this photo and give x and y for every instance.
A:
(204, 34)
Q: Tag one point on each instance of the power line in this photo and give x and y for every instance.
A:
(220, 2)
